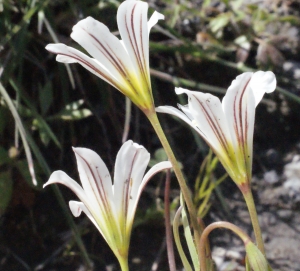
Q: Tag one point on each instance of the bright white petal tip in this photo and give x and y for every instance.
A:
(56, 48)
(76, 207)
(57, 177)
(261, 83)
(180, 91)
(265, 81)
(156, 16)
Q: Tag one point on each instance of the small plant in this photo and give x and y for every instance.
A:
(227, 127)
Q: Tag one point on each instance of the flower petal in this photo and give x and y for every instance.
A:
(239, 103)
(131, 163)
(132, 24)
(91, 207)
(77, 207)
(174, 111)
(155, 169)
(101, 44)
(152, 171)
(95, 179)
(210, 119)
(239, 107)
(261, 83)
(156, 16)
(68, 54)
(61, 177)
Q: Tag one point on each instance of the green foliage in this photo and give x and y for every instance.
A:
(176, 224)
(188, 236)
(206, 183)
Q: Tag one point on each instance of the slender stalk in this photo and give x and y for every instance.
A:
(124, 263)
(248, 196)
(152, 116)
(169, 240)
(207, 231)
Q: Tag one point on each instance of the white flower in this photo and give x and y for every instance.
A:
(122, 63)
(228, 126)
(111, 207)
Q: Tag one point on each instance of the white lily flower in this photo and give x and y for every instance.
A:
(122, 63)
(228, 126)
(110, 206)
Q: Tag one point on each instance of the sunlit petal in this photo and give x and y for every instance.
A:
(261, 83)
(122, 63)
(68, 54)
(96, 180)
(239, 107)
(156, 16)
(228, 126)
(152, 171)
(174, 111)
(132, 24)
(131, 163)
(209, 118)
(137, 191)
(110, 207)
(106, 48)
(62, 178)
(77, 207)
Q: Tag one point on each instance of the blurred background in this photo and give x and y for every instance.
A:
(47, 107)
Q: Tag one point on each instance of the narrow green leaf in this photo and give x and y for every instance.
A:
(189, 237)
(21, 129)
(176, 223)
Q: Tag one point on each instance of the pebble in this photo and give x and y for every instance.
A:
(285, 215)
(271, 177)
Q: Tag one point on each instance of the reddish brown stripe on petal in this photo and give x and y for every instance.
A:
(128, 186)
(143, 63)
(113, 58)
(107, 211)
(115, 61)
(214, 124)
(90, 65)
(134, 45)
(241, 133)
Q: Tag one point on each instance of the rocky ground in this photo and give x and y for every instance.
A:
(279, 215)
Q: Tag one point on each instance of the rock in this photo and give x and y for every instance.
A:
(285, 215)
(271, 177)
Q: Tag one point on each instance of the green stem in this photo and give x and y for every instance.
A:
(169, 239)
(207, 231)
(123, 263)
(247, 193)
(152, 116)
